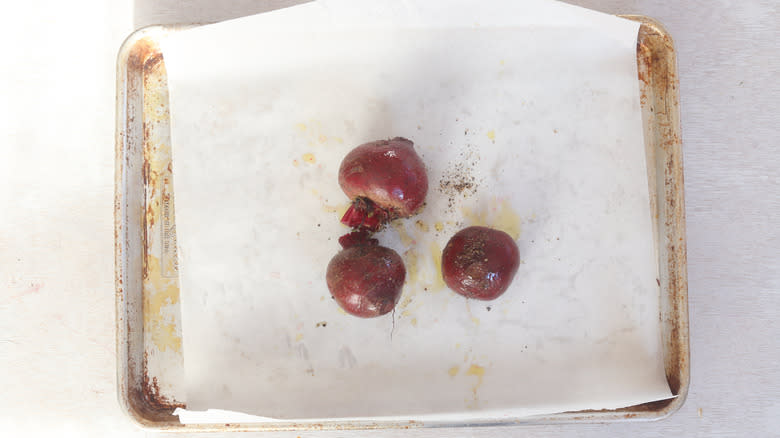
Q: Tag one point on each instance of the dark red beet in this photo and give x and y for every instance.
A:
(386, 179)
(480, 262)
(366, 280)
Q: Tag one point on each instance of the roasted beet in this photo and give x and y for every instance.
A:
(386, 179)
(480, 262)
(366, 279)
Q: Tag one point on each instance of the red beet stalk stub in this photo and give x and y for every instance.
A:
(363, 214)
(386, 179)
(480, 262)
(366, 280)
(358, 237)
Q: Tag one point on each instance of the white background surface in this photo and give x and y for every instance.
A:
(57, 361)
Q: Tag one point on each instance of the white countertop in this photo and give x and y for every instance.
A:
(57, 87)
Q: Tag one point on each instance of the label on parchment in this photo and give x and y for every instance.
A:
(169, 257)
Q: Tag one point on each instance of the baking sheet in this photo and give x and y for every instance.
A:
(563, 172)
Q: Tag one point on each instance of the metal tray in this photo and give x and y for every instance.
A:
(149, 359)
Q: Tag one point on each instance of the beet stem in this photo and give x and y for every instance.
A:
(353, 217)
(364, 214)
(356, 238)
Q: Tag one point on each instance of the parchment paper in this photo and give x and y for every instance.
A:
(527, 115)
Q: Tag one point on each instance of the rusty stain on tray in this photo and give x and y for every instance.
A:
(152, 390)
(141, 78)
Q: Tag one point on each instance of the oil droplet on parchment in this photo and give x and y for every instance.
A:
(479, 372)
(406, 239)
(498, 214)
(411, 259)
(435, 251)
(339, 209)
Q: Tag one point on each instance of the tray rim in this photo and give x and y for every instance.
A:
(134, 54)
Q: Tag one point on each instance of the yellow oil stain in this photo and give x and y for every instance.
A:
(439, 226)
(315, 135)
(406, 239)
(322, 298)
(296, 163)
(476, 370)
(298, 337)
(435, 252)
(160, 288)
(165, 336)
(160, 292)
(502, 62)
(479, 372)
(414, 322)
(342, 208)
(405, 306)
(499, 215)
(407, 299)
(453, 371)
(474, 217)
(422, 226)
(412, 269)
(315, 192)
(473, 318)
(491, 135)
(457, 345)
(508, 220)
(339, 209)
(164, 290)
(309, 158)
